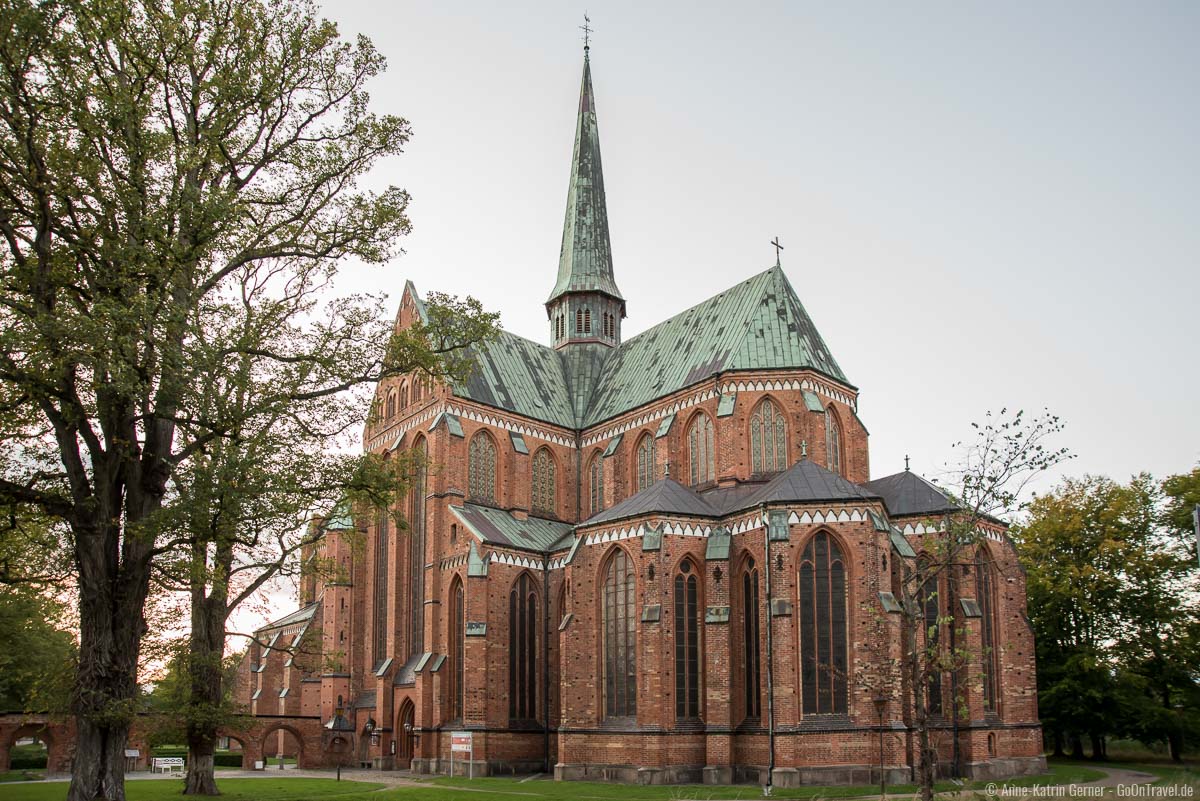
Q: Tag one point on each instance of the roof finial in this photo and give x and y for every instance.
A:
(587, 34)
(778, 247)
(803, 449)
(906, 463)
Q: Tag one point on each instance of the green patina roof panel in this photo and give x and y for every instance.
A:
(518, 442)
(665, 426)
(758, 324)
(498, 527)
(522, 376)
(726, 403)
(812, 402)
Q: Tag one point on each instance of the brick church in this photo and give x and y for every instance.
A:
(660, 558)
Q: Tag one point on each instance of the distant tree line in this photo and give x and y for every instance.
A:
(1114, 599)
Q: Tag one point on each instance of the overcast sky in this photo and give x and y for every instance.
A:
(982, 204)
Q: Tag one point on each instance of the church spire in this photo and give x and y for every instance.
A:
(585, 260)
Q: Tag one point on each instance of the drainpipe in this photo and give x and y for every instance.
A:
(766, 529)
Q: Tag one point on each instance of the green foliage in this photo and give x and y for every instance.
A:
(1113, 599)
(37, 652)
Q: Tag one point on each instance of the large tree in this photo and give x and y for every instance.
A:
(157, 159)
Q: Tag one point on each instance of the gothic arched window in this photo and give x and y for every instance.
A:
(987, 628)
(929, 600)
(481, 468)
(381, 587)
(751, 640)
(391, 406)
(403, 395)
(700, 449)
(644, 455)
(587, 321)
(822, 612)
(833, 442)
(542, 490)
(579, 321)
(687, 642)
(768, 438)
(458, 627)
(522, 650)
(620, 638)
(596, 483)
(416, 549)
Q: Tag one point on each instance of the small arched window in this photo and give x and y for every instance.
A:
(620, 638)
(644, 455)
(768, 438)
(542, 495)
(587, 321)
(522, 650)
(596, 483)
(579, 321)
(987, 628)
(687, 642)
(751, 641)
(822, 612)
(403, 394)
(833, 442)
(700, 450)
(481, 468)
(391, 406)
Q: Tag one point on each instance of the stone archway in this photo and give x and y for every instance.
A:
(41, 732)
(241, 749)
(404, 735)
(278, 740)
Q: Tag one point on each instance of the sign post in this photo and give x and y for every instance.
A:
(461, 741)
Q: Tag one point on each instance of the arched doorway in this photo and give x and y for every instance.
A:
(230, 753)
(282, 742)
(30, 747)
(405, 736)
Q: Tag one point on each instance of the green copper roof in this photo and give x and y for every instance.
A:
(585, 261)
(498, 527)
(522, 376)
(758, 324)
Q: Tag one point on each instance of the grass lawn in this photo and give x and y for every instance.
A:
(456, 789)
(1167, 772)
(231, 790)
(20, 775)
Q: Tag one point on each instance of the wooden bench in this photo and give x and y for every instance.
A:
(167, 764)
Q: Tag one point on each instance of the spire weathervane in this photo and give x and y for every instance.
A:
(906, 463)
(587, 32)
(778, 247)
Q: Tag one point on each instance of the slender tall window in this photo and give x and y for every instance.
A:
(833, 442)
(403, 395)
(751, 641)
(458, 616)
(542, 490)
(768, 438)
(481, 468)
(700, 450)
(620, 638)
(822, 614)
(522, 650)
(587, 321)
(596, 484)
(930, 600)
(645, 462)
(579, 321)
(391, 405)
(381, 587)
(416, 550)
(987, 609)
(687, 643)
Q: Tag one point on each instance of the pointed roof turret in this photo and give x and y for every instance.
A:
(585, 261)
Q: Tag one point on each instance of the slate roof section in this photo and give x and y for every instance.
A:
(521, 376)
(758, 324)
(498, 527)
(665, 496)
(585, 260)
(906, 493)
(805, 481)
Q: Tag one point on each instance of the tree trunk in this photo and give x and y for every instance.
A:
(1097, 747)
(1175, 743)
(1058, 744)
(201, 779)
(98, 771)
(206, 680)
(1076, 747)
